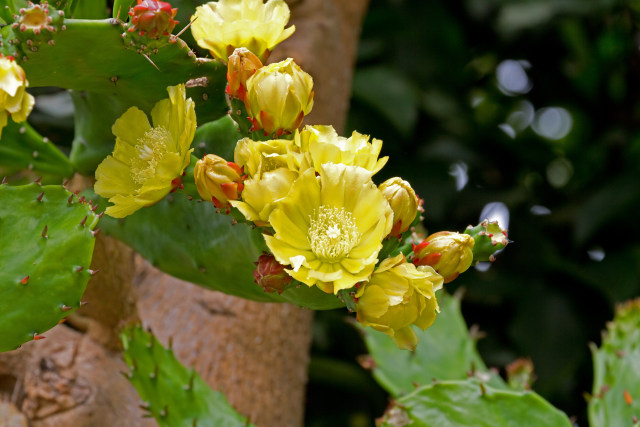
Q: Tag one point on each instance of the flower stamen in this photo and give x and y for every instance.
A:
(332, 233)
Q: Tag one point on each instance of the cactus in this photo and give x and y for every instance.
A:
(489, 238)
(173, 394)
(47, 242)
(22, 147)
(471, 403)
(615, 400)
(445, 351)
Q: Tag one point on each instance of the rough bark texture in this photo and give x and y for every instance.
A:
(257, 354)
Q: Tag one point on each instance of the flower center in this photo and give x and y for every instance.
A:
(332, 233)
(151, 148)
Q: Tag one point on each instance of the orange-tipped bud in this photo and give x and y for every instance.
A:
(152, 18)
(447, 252)
(270, 274)
(242, 64)
(218, 180)
(403, 202)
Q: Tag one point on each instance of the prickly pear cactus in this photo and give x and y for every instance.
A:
(489, 238)
(173, 394)
(615, 399)
(47, 240)
(471, 403)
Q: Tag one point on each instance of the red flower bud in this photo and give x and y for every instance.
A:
(270, 274)
(153, 18)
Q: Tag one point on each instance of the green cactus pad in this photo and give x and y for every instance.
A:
(470, 403)
(489, 238)
(43, 273)
(615, 399)
(173, 394)
(22, 147)
(201, 246)
(445, 351)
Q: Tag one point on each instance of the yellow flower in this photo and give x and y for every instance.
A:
(218, 181)
(403, 202)
(278, 97)
(258, 157)
(321, 144)
(397, 296)
(147, 162)
(14, 100)
(447, 252)
(329, 228)
(228, 24)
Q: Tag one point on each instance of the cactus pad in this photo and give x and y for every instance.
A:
(489, 238)
(173, 394)
(47, 244)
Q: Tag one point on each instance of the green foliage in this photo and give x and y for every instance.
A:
(173, 394)
(201, 246)
(474, 404)
(22, 147)
(445, 351)
(217, 137)
(615, 400)
(47, 244)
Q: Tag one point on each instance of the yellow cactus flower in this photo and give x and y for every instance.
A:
(447, 252)
(397, 296)
(14, 100)
(321, 144)
(278, 97)
(225, 25)
(242, 65)
(218, 181)
(147, 162)
(329, 229)
(262, 193)
(258, 157)
(403, 202)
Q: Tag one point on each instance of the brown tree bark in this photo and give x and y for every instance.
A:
(256, 354)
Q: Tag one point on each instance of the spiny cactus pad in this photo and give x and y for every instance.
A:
(445, 351)
(173, 394)
(47, 243)
(440, 405)
(615, 401)
(489, 238)
(22, 147)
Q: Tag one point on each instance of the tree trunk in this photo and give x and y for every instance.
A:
(256, 354)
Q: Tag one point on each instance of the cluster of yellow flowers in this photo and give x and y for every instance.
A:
(311, 191)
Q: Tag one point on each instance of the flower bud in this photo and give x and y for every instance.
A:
(489, 238)
(242, 64)
(270, 274)
(14, 100)
(153, 18)
(218, 180)
(403, 202)
(278, 97)
(447, 252)
(397, 296)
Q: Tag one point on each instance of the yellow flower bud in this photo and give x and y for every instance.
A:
(403, 202)
(225, 25)
(397, 296)
(447, 252)
(321, 144)
(218, 180)
(242, 65)
(278, 97)
(14, 100)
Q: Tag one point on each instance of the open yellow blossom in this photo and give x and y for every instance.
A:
(225, 25)
(321, 144)
(147, 162)
(14, 100)
(258, 157)
(397, 296)
(329, 228)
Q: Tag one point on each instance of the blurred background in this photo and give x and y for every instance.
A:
(520, 110)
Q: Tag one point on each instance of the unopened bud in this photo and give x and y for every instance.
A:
(278, 97)
(152, 18)
(447, 252)
(218, 180)
(489, 238)
(403, 202)
(270, 274)
(242, 65)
